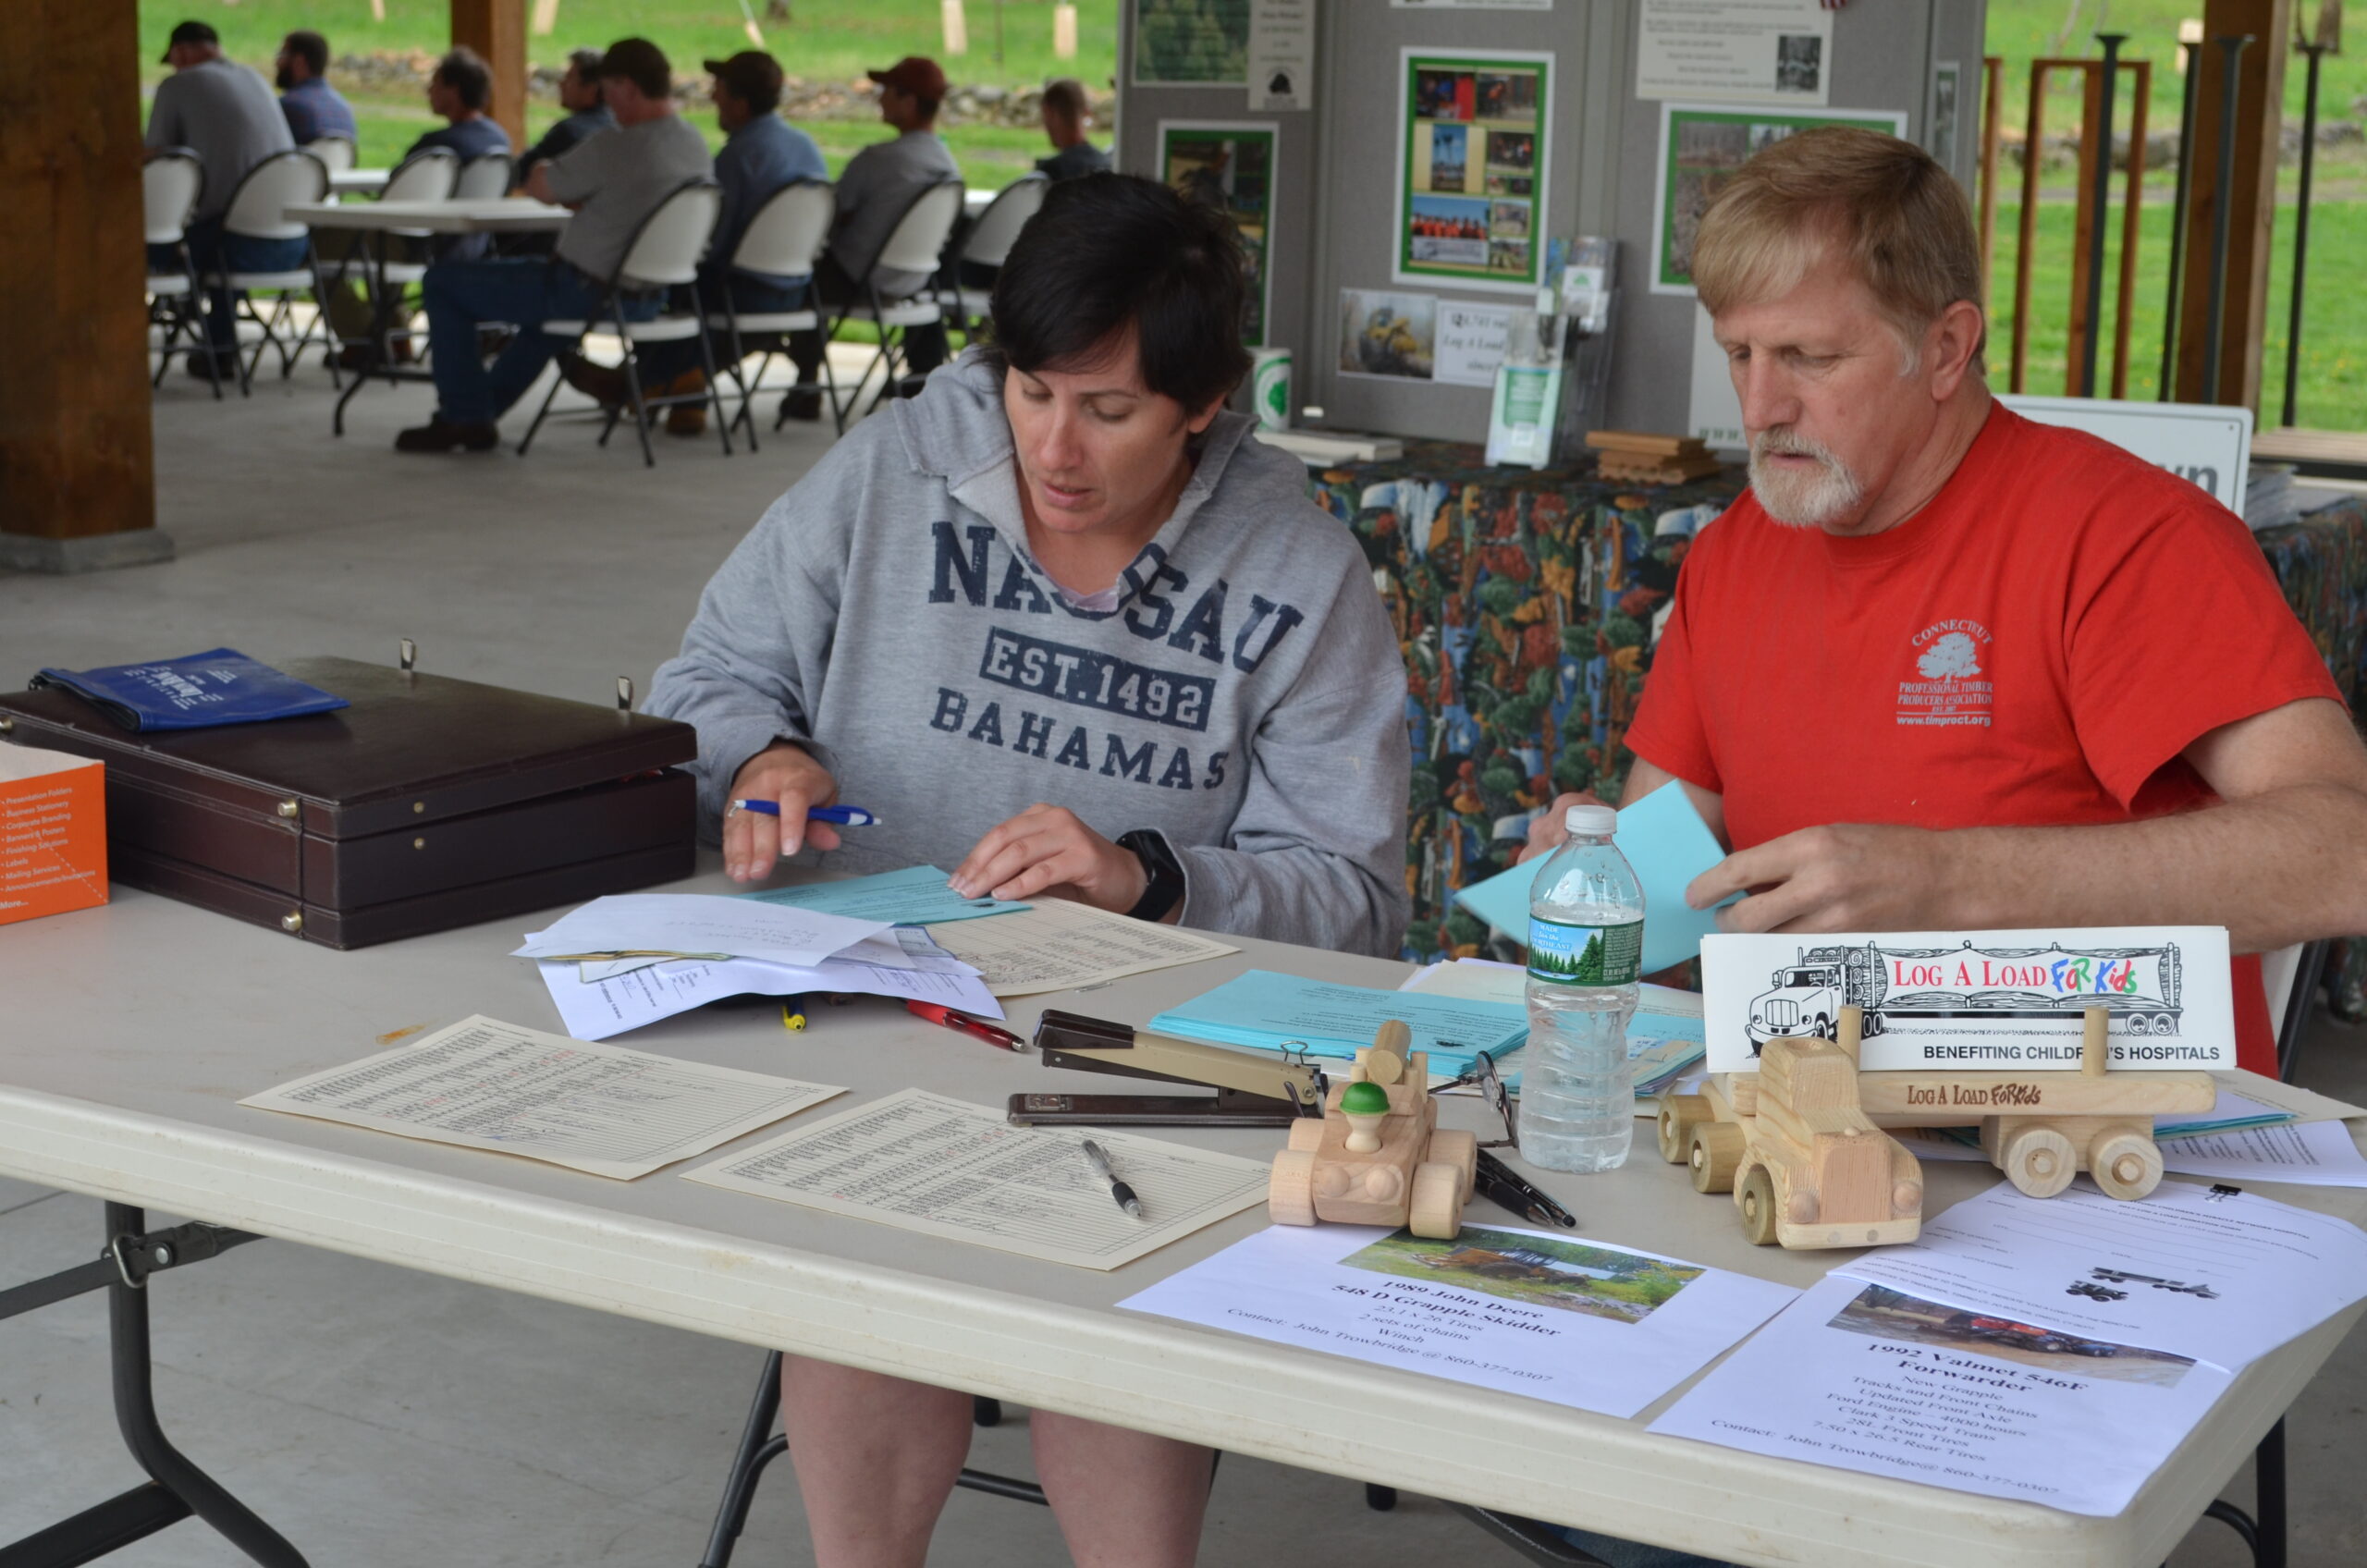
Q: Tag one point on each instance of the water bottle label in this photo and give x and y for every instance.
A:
(1584, 955)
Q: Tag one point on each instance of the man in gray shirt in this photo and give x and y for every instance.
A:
(613, 181)
(875, 191)
(225, 113)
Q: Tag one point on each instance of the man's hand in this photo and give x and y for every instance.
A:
(1840, 879)
(789, 774)
(1546, 833)
(1049, 849)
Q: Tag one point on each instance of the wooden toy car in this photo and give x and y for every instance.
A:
(2041, 1129)
(1377, 1155)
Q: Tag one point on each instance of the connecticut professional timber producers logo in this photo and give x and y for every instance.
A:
(1951, 685)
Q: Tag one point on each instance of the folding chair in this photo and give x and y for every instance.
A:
(258, 210)
(336, 153)
(990, 241)
(170, 186)
(783, 240)
(915, 245)
(664, 252)
(431, 173)
(482, 178)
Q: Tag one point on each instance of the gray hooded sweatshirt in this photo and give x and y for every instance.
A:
(1239, 690)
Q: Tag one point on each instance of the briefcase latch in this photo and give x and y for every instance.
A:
(292, 923)
(292, 808)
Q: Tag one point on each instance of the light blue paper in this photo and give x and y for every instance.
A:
(1264, 1010)
(1666, 841)
(918, 895)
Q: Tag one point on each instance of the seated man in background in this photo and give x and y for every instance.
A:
(1076, 494)
(587, 113)
(1066, 115)
(224, 112)
(1943, 668)
(761, 154)
(878, 185)
(313, 109)
(460, 90)
(613, 181)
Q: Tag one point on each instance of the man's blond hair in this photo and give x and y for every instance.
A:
(1878, 205)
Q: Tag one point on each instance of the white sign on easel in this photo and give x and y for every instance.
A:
(2208, 443)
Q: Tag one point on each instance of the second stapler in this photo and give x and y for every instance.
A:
(1251, 1091)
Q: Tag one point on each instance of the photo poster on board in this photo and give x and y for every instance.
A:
(1192, 43)
(1735, 50)
(1474, 130)
(1948, 86)
(1701, 148)
(1229, 165)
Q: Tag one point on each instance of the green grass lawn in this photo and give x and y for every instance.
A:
(2022, 31)
(2333, 373)
(826, 40)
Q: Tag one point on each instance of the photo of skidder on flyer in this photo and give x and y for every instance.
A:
(1384, 334)
(1624, 1287)
(1881, 1313)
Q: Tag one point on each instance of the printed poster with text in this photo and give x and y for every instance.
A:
(1702, 147)
(1229, 167)
(1191, 43)
(1473, 134)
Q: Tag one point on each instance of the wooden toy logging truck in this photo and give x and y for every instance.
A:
(1799, 1143)
(1377, 1155)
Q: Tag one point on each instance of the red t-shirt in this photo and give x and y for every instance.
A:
(2034, 648)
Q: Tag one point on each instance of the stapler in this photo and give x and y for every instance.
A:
(1251, 1091)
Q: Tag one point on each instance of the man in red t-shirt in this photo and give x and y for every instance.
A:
(1943, 668)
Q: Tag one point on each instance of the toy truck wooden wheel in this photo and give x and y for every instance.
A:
(1450, 1145)
(1307, 1133)
(1679, 1114)
(2037, 1161)
(2126, 1165)
(1289, 1190)
(1756, 1200)
(1714, 1151)
(1437, 1208)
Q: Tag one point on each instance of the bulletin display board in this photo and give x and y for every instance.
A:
(1701, 147)
(1231, 165)
(1474, 130)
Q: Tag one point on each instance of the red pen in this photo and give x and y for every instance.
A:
(938, 1013)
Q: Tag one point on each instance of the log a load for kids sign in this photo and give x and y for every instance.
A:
(1977, 999)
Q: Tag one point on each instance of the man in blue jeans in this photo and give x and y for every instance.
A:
(613, 182)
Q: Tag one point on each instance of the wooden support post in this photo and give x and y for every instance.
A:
(2095, 152)
(1992, 80)
(2027, 239)
(2252, 182)
(2126, 304)
(496, 29)
(77, 461)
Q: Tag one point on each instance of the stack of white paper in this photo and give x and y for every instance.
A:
(627, 925)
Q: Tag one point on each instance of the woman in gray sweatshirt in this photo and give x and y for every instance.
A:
(1068, 630)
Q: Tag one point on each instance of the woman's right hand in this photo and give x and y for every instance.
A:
(785, 773)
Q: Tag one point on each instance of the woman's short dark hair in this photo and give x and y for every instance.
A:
(1113, 251)
(467, 75)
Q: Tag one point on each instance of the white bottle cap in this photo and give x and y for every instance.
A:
(1595, 822)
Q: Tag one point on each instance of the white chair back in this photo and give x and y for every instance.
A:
(482, 177)
(673, 238)
(991, 239)
(259, 207)
(788, 231)
(169, 185)
(427, 175)
(919, 238)
(336, 153)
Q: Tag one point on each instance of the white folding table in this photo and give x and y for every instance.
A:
(133, 1031)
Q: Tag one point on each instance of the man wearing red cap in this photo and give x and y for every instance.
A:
(878, 184)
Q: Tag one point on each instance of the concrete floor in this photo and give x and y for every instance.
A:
(387, 1419)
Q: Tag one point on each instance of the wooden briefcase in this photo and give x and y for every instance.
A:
(426, 805)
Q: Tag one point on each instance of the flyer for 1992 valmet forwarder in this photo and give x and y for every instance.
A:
(1959, 1001)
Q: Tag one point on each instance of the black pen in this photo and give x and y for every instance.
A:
(1498, 1181)
(1118, 1190)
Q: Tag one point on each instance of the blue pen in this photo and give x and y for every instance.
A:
(842, 817)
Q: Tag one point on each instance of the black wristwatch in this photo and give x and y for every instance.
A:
(1166, 874)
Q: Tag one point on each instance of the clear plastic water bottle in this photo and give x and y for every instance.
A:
(1585, 945)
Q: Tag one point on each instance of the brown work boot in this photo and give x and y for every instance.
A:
(437, 436)
(603, 383)
(686, 418)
